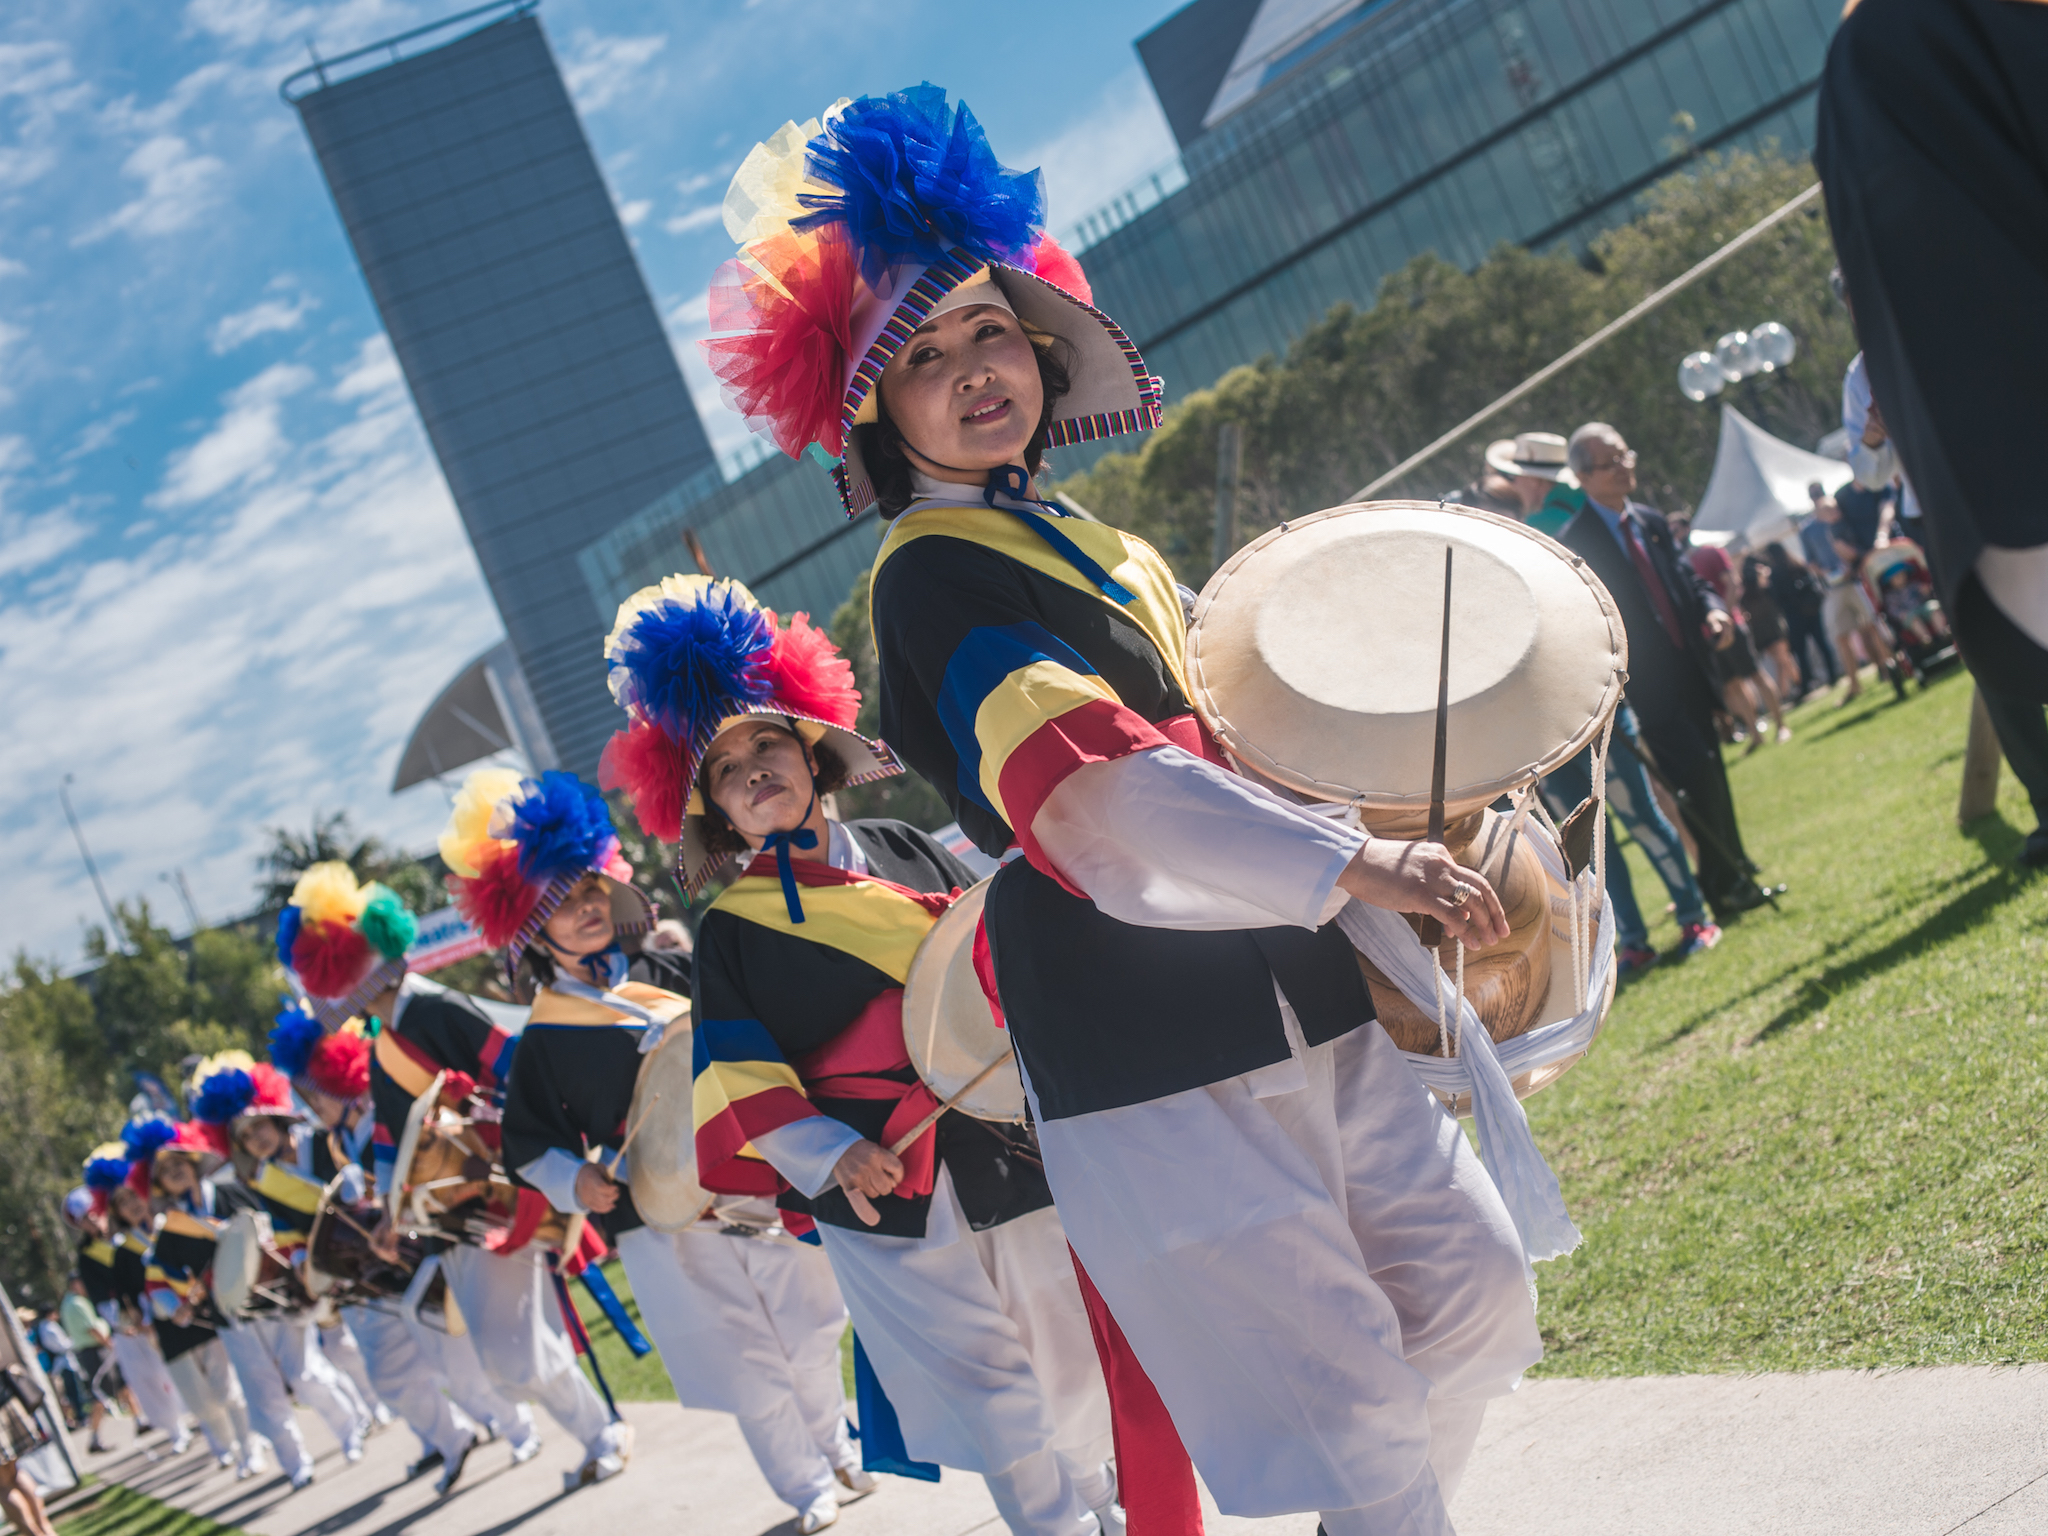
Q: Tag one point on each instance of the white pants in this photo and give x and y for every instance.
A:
(403, 1376)
(345, 1353)
(471, 1390)
(1322, 1283)
(206, 1381)
(751, 1327)
(263, 1386)
(983, 1346)
(310, 1375)
(142, 1367)
(508, 1303)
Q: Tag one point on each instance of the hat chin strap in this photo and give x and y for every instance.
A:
(779, 844)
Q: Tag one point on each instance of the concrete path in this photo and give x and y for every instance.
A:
(1905, 1453)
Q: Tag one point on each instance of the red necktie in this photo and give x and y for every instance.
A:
(1653, 585)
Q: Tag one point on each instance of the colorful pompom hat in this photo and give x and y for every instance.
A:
(232, 1086)
(692, 658)
(854, 230)
(337, 1063)
(516, 848)
(107, 1167)
(346, 942)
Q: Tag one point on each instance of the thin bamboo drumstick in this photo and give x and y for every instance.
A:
(926, 1123)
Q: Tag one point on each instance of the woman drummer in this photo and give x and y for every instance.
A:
(169, 1159)
(109, 1173)
(1303, 1253)
(949, 1254)
(249, 1105)
(745, 1324)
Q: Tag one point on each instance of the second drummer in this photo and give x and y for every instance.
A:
(950, 1256)
(747, 1322)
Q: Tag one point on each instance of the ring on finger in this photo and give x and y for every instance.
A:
(1461, 893)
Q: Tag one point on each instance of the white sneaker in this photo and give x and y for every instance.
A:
(223, 1459)
(181, 1442)
(856, 1480)
(596, 1470)
(451, 1468)
(303, 1476)
(383, 1417)
(823, 1511)
(352, 1447)
(255, 1458)
(526, 1449)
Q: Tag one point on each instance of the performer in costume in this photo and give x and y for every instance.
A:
(347, 945)
(249, 1103)
(187, 1325)
(950, 1257)
(331, 1075)
(746, 1321)
(1291, 1237)
(122, 1286)
(85, 1212)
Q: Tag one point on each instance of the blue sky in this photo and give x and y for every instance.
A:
(230, 575)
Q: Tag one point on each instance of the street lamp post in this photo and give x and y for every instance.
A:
(1740, 357)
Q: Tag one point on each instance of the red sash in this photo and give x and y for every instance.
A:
(849, 1066)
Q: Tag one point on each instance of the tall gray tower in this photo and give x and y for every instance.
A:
(532, 348)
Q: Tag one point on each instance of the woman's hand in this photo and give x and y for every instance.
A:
(595, 1189)
(182, 1318)
(1424, 878)
(866, 1169)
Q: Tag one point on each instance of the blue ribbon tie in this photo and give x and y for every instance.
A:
(1012, 482)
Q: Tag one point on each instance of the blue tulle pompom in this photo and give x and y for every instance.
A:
(560, 824)
(223, 1096)
(145, 1133)
(916, 179)
(292, 1041)
(105, 1173)
(288, 933)
(686, 664)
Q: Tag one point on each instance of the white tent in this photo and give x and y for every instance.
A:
(1758, 482)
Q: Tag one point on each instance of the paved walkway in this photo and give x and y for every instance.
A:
(1905, 1453)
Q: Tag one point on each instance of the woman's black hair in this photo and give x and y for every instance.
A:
(881, 444)
(722, 841)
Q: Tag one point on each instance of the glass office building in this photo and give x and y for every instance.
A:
(1325, 143)
(542, 372)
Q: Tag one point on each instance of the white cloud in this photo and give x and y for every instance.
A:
(631, 214)
(243, 448)
(262, 656)
(693, 184)
(259, 319)
(598, 70)
(178, 188)
(1103, 152)
(695, 218)
(38, 83)
(9, 267)
(30, 543)
(98, 434)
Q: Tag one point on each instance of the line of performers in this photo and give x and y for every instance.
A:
(1232, 1233)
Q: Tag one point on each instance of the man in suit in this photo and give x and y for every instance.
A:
(1675, 622)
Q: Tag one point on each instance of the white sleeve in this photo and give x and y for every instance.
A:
(1873, 467)
(111, 1311)
(806, 1151)
(1162, 839)
(553, 1173)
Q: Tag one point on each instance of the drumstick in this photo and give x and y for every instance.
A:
(1432, 930)
(896, 1147)
(618, 1157)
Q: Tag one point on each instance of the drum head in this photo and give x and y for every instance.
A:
(409, 1143)
(661, 1165)
(1314, 651)
(947, 1026)
(238, 1260)
(317, 1280)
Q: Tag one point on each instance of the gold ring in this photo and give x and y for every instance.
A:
(1461, 893)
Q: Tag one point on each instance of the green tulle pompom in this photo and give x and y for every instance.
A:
(387, 924)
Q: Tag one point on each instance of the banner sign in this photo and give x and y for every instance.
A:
(444, 938)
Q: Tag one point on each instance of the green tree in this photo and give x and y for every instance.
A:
(1361, 389)
(905, 797)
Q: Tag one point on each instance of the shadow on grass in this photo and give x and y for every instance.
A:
(1973, 907)
(1807, 962)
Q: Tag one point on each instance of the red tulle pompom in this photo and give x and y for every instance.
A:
(497, 901)
(330, 958)
(138, 1176)
(648, 766)
(213, 1138)
(1049, 260)
(340, 1065)
(273, 1091)
(783, 364)
(809, 675)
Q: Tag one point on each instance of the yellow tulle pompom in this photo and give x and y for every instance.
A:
(762, 199)
(221, 1061)
(328, 893)
(469, 824)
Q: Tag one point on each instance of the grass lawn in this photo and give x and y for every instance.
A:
(1820, 1145)
(121, 1511)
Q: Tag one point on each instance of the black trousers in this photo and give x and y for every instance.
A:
(1688, 754)
(1800, 628)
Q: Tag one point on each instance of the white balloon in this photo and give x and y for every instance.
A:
(1699, 376)
(1773, 346)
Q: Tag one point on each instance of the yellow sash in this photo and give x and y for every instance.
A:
(865, 920)
(552, 1007)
